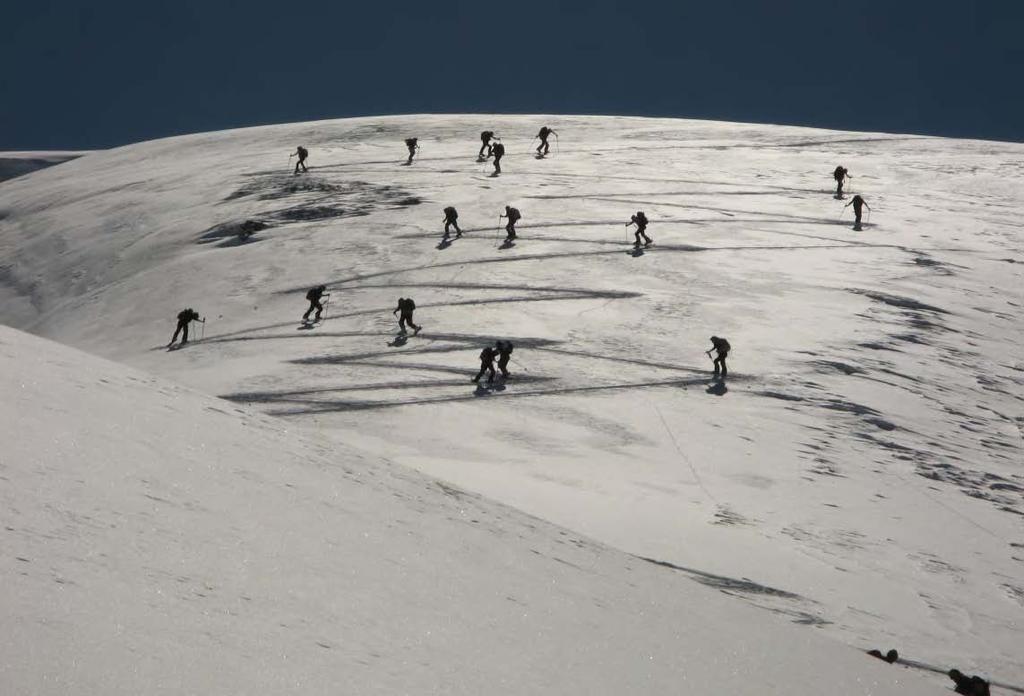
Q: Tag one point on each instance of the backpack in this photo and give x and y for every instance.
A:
(723, 345)
(839, 173)
(410, 142)
(513, 214)
(302, 152)
(409, 305)
(499, 150)
(311, 294)
(641, 219)
(487, 354)
(451, 213)
(486, 135)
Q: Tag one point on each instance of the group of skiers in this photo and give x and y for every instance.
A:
(841, 175)
(962, 684)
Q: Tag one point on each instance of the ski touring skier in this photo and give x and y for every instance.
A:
(969, 686)
(406, 306)
(302, 153)
(504, 350)
(451, 219)
(486, 364)
(640, 220)
(721, 348)
(485, 147)
(185, 317)
(543, 135)
(513, 216)
(314, 295)
(858, 204)
(841, 174)
(412, 144)
(890, 657)
(497, 151)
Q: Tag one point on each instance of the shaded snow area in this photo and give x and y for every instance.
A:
(860, 473)
(14, 164)
(160, 541)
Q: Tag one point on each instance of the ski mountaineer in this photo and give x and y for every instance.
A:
(722, 348)
(969, 686)
(890, 657)
(451, 219)
(513, 216)
(314, 295)
(858, 204)
(302, 153)
(485, 138)
(498, 151)
(411, 143)
(486, 364)
(504, 349)
(543, 135)
(185, 316)
(406, 306)
(841, 174)
(640, 220)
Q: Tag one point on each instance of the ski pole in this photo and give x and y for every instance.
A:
(518, 364)
(202, 331)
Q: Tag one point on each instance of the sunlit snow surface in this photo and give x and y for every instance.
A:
(860, 470)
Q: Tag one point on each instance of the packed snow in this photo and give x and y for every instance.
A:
(858, 473)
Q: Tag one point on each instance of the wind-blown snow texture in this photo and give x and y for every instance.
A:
(864, 457)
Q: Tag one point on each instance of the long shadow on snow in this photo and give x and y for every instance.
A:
(339, 406)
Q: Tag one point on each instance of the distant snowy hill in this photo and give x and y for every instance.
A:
(14, 164)
(156, 540)
(864, 457)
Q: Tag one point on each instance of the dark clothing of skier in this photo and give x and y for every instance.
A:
(513, 217)
(890, 657)
(858, 204)
(411, 143)
(969, 686)
(497, 151)
(314, 296)
(485, 139)
(486, 364)
(406, 307)
(302, 154)
(451, 219)
(185, 316)
(640, 220)
(840, 175)
(543, 135)
(721, 348)
(504, 349)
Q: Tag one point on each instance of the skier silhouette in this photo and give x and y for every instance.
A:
(969, 686)
(451, 219)
(722, 348)
(640, 220)
(504, 350)
(513, 217)
(543, 135)
(185, 316)
(314, 296)
(411, 143)
(497, 151)
(890, 657)
(841, 174)
(302, 153)
(486, 364)
(406, 306)
(858, 204)
(485, 138)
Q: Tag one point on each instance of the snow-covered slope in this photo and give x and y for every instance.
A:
(864, 456)
(14, 164)
(157, 540)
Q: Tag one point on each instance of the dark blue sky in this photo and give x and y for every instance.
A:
(104, 73)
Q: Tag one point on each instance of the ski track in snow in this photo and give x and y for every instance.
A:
(864, 454)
